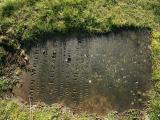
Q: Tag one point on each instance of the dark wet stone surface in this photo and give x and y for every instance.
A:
(94, 73)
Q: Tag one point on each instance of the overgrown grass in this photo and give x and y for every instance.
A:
(4, 86)
(13, 110)
(23, 21)
(155, 110)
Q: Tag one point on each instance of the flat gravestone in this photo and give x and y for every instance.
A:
(91, 72)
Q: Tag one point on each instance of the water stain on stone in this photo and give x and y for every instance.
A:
(89, 72)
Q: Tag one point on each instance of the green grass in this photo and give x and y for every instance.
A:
(14, 110)
(155, 110)
(23, 21)
(4, 86)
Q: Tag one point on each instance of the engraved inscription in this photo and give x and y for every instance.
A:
(90, 72)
